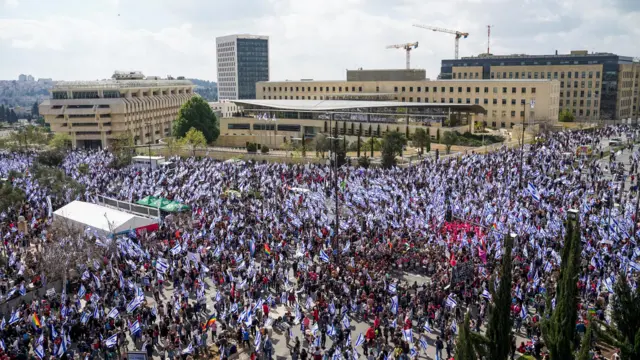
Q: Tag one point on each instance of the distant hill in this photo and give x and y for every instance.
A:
(207, 89)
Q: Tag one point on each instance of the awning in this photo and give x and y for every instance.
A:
(163, 204)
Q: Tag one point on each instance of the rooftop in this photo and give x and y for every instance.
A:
(329, 105)
(119, 84)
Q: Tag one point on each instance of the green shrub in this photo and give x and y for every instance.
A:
(265, 149)
(53, 158)
(252, 147)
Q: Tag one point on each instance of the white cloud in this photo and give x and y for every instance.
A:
(309, 38)
(11, 3)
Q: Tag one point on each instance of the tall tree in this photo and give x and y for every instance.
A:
(585, 345)
(34, 110)
(194, 139)
(60, 141)
(464, 345)
(2, 116)
(559, 330)
(196, 113)
(624, 333)
(500, 322)
(449, 139)
(10, 196)
(391, 147)
(420, 139)
(13, 118)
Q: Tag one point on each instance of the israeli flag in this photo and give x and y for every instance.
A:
(408, 335)
(86, 275)
(188, 350)
(15, 317)
(217, 252)
(257, 340)
(394, 304)
(154, 311)
(346, 247)
(330, 330)
(162, 266)
(486, 294)
(634, 265)
(112, 341)
(38, 350)
(218, 296)
(454, 327)
(394, 324)
(414, 352)
(133, 304)
(113, 313)
(234, 308)
(392, 288)
(96, 313)
(323, 256)
(238, 258)
(81, 291)
(533, 191)
(3, 323)
(450, 301)
(135, 327)
(423, 343)
(345, 322)
(332, 308)
(23, 291)
(176, 249)
(427, 327)
(523, 312)
(309, 303)
(547, 266)
(360, 340)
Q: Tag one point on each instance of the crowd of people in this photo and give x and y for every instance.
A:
(258, 257)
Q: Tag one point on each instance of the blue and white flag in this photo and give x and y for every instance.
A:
(96, 312)
(23, 290)
(413, 351)
(533, 191)
(423, 343)
(450, 302)
(394, 324)
(162, 266)
(454, 327)
(85, 317)
(332, 308)
(331, 331)
(2, 346)
(135, 327)
(176, 249)
(408, 335)
(81, 291)
(188, 349)
(345, 322)
(112, 341)
(346, 247)
(257, 340)
(134, 304)
(3, 323)
(394, 304)
(38, 350)
(427, 327)
(323, 256)
(634, 265)
(392, 288)
(486, 294)
(360, 340)
(523, 312)
(15, 317)
(113, 313)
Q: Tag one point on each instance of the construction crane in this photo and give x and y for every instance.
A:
(458, 34)
(408, 47)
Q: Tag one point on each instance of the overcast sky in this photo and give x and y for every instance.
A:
(319, 39)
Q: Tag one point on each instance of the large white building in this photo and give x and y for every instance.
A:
(242, 61)
(94, 113)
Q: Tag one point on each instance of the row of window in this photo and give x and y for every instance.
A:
(582, 84)
(315, 88)
(581, 102)
(582, 93)
(539, 75)
(281, 127)
(418, 99)
(443, 89)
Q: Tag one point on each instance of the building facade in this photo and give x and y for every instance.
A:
(242, 61)
(94, 113)
(224, 108)
(506, 101)
(592, 86)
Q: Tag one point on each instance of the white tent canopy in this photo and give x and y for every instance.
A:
(101, 218)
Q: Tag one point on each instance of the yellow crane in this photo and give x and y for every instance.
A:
(458, 34)
(408, 47)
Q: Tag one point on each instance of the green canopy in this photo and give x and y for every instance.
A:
(163, 204)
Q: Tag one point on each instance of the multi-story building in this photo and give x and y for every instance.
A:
(592, 86)
(94, 113)
(243, 60)
(224, 108)
(506, 101)
(22, 77)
